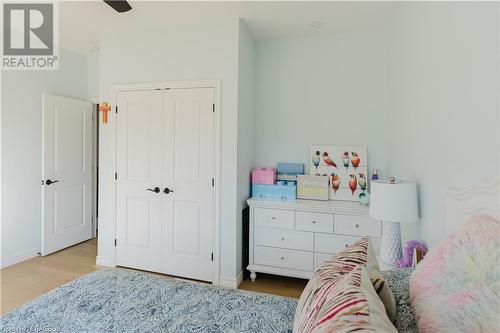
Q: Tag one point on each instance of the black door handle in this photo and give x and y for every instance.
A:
(48, 182)
(156, 189)
(167, 190)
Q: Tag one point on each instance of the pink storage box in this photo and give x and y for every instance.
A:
(264, 176)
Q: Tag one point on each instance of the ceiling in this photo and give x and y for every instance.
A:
(81, 21)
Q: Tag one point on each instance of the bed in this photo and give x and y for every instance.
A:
(129, 301)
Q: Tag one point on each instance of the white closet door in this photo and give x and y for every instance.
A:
(188, 172)
(139, 171)
(66, 172)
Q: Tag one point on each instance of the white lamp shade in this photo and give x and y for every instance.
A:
(394, 202)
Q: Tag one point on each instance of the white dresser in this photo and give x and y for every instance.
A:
(291, 238)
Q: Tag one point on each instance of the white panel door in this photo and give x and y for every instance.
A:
(66, 172)
(139, 173)
(188, 192)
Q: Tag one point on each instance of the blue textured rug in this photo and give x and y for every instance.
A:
(129, 301)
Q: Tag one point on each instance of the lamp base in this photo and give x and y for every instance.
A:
(390, 245)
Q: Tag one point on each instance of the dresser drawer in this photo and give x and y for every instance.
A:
(316, 222)
(336, 243)
(357, 226)
(274, 218)
(319, 258)
(332, 243)
(287, 239)
(291, 259)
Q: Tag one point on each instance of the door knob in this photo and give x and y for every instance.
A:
(156, 189)
(167, 190)
(48, 182)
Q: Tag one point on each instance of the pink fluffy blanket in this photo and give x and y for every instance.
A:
(456, 288)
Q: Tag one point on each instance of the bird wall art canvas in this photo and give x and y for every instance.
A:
(347, 167)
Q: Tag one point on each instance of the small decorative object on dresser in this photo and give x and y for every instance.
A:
(312, 187)
(264, 176)
(289, 171)
(292, 238)
(364, 198)
(264, 185)
(393, 202)
(284, 190)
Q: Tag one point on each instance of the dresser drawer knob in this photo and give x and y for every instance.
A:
(282, 258)
(273, 218)
(357, 225)
(282, 238)
(347, 245)
(314, 222)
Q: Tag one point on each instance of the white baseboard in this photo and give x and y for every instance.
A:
(239, 279)
(231, 283)
(19, 258)
(104, 261)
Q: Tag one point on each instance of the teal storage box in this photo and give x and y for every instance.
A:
(287, 191)
(290, 169)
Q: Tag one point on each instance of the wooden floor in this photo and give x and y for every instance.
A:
(25, 281)
(276, 285)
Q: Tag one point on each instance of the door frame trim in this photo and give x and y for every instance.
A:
(191, 84)
(95, 153)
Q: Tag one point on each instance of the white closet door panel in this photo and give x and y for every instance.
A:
(139, 168)
(188, 171)
(66, 161)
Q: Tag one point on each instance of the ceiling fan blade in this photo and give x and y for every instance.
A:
(120, 6)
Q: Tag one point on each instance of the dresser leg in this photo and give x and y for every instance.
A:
(253, 275)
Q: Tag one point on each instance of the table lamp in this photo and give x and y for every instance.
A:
(393, 202)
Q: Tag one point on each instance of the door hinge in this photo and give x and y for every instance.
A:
(212, 257)
(116, 109)
(213, 182)
(213, 107)
(116, 176)
(116, 243)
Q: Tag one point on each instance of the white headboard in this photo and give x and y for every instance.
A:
(462, 204)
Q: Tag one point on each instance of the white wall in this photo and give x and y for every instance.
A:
(183, 51)
(93, 77)
(21, 149)
(331, 90)
(246, 127)
(445, 102)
